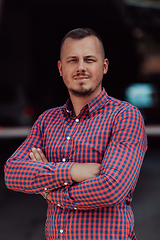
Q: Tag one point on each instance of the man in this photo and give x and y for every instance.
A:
(84, 157)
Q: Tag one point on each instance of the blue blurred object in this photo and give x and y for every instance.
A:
(141, 95)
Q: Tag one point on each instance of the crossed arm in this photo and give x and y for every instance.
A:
(79, 171)
(106, 184)
(94, 185)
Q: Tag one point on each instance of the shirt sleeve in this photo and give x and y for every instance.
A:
(23, 174)
(119, 171)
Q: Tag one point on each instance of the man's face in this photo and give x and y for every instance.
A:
(82, 66)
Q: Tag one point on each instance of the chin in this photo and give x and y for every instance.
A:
(81, 93)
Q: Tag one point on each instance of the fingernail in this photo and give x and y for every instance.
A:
(33, 149)
(38, 149)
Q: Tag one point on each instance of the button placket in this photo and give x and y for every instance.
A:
(70, 131)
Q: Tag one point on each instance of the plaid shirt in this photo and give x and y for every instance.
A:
(107, 131)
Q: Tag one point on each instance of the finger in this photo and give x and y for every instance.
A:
(32, 156)
(43, 157)
(37, 156)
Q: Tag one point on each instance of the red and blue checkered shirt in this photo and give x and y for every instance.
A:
(107, 131)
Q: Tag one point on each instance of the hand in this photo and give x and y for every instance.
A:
(83, 171)
(38, 155)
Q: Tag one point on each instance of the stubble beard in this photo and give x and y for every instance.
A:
(83, 92)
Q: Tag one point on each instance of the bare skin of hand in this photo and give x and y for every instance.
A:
(83, 171)
(38, 155)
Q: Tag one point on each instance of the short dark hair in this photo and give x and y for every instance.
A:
(80, 33)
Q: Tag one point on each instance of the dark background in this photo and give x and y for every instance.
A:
(31, 36)
(31, 32)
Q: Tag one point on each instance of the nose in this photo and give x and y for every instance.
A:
(81, 67)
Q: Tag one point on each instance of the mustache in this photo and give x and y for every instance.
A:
(81, 75)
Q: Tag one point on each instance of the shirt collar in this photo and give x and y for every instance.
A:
(98, 102)
(95, 104)
(68, 107)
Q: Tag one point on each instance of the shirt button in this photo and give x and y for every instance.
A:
(75, 208)
(58, 205)
(65, 183)
(68, 138)
(45, 189)
(77, 120)
(61, 231)
(63, 160)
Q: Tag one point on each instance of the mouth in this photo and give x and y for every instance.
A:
(81, 77)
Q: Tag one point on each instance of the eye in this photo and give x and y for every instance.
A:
(72, 60)
(90, 60)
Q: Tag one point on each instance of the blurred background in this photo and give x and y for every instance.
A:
(30, 36)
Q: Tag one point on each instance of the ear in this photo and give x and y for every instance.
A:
(106, 63)
(59, 68)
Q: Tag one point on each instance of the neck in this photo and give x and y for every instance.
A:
(79, 102)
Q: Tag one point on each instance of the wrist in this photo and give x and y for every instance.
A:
(72, 171)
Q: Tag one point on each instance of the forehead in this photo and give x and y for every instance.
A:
(86, 46)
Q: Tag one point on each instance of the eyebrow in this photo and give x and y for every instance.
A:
(90, 56)
(87, 56)
(71, 57)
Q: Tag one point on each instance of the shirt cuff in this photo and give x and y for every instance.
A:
(60, 197)
(62, 174)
